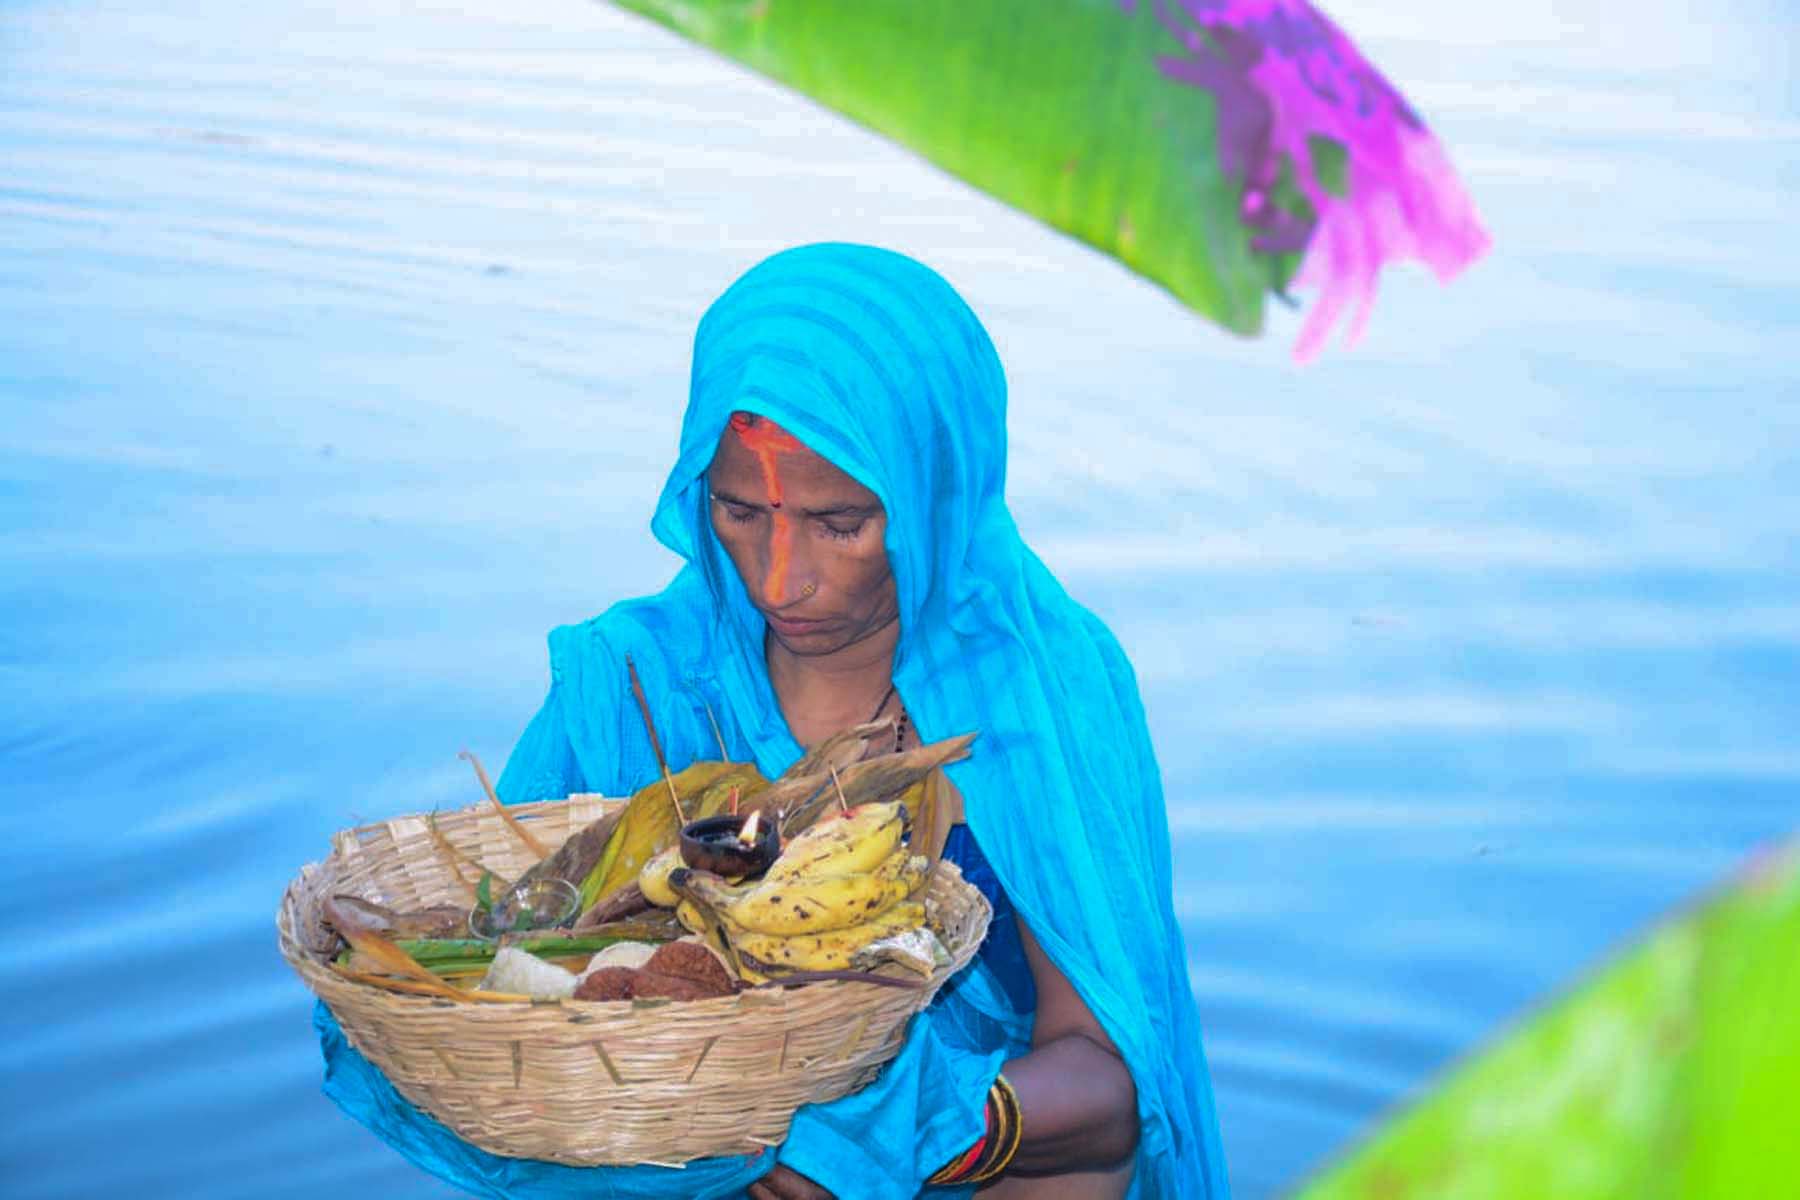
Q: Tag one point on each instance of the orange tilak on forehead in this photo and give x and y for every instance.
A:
(765, 439)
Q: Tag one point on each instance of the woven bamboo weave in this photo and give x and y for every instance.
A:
(589, 1082)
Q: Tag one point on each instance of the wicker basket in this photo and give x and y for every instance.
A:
(586, 1082)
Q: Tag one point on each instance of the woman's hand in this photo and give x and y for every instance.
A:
(785, 1184)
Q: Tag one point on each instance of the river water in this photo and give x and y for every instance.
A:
(342, 350)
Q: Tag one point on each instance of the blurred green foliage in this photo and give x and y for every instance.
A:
(1056, 107)
(1672, 1074)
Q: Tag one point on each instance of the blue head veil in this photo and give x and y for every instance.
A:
(876, 363)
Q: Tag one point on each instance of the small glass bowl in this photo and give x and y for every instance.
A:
(544, 903)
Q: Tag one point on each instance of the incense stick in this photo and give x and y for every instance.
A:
(637, 689)
(724, 754)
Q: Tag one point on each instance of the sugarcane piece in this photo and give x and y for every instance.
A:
(444, 956)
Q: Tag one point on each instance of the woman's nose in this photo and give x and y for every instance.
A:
(784, 575)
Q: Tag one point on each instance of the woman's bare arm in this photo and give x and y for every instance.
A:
(1076, 1094)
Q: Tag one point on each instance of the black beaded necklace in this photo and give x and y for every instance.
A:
(899, 726)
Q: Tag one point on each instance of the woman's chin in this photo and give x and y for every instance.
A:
(811, 642)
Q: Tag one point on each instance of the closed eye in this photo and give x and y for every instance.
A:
(843, 532)
(741, 514)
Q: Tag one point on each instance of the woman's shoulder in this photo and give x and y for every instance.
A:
(662, 632)
(1063, 619)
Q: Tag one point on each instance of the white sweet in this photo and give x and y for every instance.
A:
(515, 971)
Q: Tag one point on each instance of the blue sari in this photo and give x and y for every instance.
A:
(874, 362)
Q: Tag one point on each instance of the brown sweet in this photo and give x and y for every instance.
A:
(608, 983)
(653, 985)
(693, 962)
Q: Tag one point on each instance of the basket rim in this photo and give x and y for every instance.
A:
(306, 962)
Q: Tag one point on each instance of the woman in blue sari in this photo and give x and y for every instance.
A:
(839, 501)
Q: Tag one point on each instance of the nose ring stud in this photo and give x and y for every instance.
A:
(809, 589)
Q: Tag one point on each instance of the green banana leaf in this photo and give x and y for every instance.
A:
(1673, 1074)
(1007, 97)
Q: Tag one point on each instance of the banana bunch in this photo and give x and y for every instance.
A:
(845, 884)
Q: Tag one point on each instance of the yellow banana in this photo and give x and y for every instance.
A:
(690, 916)
(911, 869)
(790, 906)
(706, 887)
(653, 880)
(846, 843)
(826, 951)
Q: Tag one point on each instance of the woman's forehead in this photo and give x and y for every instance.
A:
(807, 479)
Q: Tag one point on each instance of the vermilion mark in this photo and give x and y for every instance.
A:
(765, 439)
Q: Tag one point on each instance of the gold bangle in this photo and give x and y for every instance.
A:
(1010, 1132)
(951, 1173)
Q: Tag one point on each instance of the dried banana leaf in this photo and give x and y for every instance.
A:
(715, 797)
(437, 987)
(579, 855)
(928, 810)
(810, 777)
(789, 794)
(841, 750)
(877, 779)
(380, 954)
(440, 921)
(622, 903)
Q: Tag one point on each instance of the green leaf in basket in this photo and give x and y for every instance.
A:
(484, 892)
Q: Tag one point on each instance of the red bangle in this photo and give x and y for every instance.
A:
(968, 1161)
(958, 1169)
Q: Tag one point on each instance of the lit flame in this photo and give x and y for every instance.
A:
(747, 835)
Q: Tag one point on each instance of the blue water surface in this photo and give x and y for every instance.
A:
(342, 351)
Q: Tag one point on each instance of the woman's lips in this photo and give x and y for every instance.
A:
(792, 626)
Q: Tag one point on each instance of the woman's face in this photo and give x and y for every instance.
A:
(806, 539)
